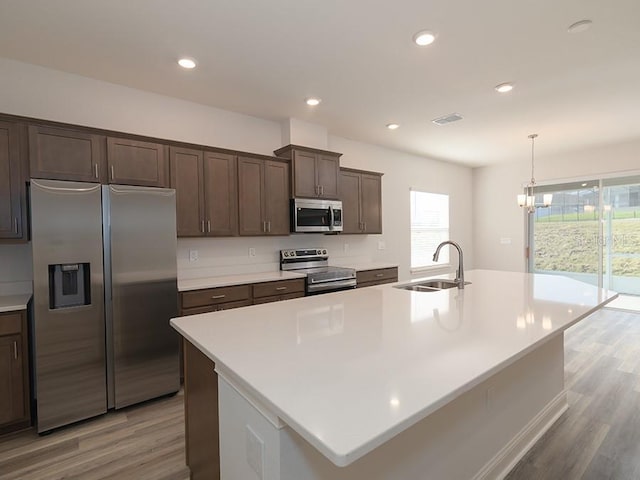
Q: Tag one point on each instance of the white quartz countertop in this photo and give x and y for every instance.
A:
(229, 280)
(350, 370)
(9, 303)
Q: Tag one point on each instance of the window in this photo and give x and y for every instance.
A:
(429, 227)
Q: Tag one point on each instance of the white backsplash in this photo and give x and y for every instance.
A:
(227, 256)
(15, 269)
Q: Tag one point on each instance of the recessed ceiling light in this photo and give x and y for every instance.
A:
(312, 102)
(504, 87)
(424, 38)
(392, 126)
(187, 63)
(580, 26)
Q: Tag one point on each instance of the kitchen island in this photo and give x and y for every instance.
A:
(383, 382)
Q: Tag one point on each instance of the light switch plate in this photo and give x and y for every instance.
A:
(193, 255)
(252, 252)
(255, 452)
(381, 245)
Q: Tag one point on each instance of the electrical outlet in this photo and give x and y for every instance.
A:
(255, 452)
(345, 247)
(381, 245)
(252, 252)
(193, 255)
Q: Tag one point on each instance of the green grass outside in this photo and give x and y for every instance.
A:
(587, 216)
(572, 246)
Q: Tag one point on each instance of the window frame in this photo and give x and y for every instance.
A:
(434, 266)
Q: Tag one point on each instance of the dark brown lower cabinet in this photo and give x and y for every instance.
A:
(14, 372)
(368, 278)
(201, 414)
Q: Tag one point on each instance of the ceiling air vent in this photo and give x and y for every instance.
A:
(452, 117)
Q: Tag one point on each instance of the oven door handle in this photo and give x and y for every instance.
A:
(333, 280)
(317, 287)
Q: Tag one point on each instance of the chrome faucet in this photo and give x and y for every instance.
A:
(460, 273)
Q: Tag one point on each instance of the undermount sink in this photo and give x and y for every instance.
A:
(431, 285)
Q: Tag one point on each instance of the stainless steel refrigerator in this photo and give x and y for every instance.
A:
(105, 287)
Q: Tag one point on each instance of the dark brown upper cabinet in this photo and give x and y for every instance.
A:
(65, 154)
(206, 192)
(187, 179)
(133, 162)
(263, 193)
(12, 183)
(314, 172)
(361, 201)
(221, 194)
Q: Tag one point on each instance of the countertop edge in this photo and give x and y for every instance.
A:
(14, 303)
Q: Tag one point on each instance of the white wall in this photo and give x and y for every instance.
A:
(495, 211)
(39, 92)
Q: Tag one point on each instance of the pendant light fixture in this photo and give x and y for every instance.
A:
(528, 199)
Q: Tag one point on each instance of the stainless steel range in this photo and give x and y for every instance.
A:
(314, 263)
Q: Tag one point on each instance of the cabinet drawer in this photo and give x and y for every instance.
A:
(277, 298)
(281, 287)
(10, 323)
(382, 275)
(214, 296)
(214, 308)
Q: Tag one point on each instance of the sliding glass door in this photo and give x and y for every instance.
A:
(591, 233)
(621, 230)
(565, 237)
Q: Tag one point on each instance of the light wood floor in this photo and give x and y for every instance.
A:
(144, 442)
(598, 438)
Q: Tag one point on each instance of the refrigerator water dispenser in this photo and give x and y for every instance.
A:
(69, 285)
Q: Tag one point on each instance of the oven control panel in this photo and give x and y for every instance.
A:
(307, 253)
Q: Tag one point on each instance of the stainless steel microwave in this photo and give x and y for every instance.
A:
(310, 215)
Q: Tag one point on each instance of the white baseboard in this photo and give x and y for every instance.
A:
(502, 463)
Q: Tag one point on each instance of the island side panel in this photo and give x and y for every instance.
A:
(201, 414)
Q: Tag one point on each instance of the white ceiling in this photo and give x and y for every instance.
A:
(263, 57)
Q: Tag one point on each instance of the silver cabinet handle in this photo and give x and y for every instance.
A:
(322, 190)
(364, 226)
(379, 275)
(15, 350)
(269, 226)
(217, 297)
(202, 227)
(95, 169)
(112, 173)
(15, 224)
(209, 226)
(281, 288)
